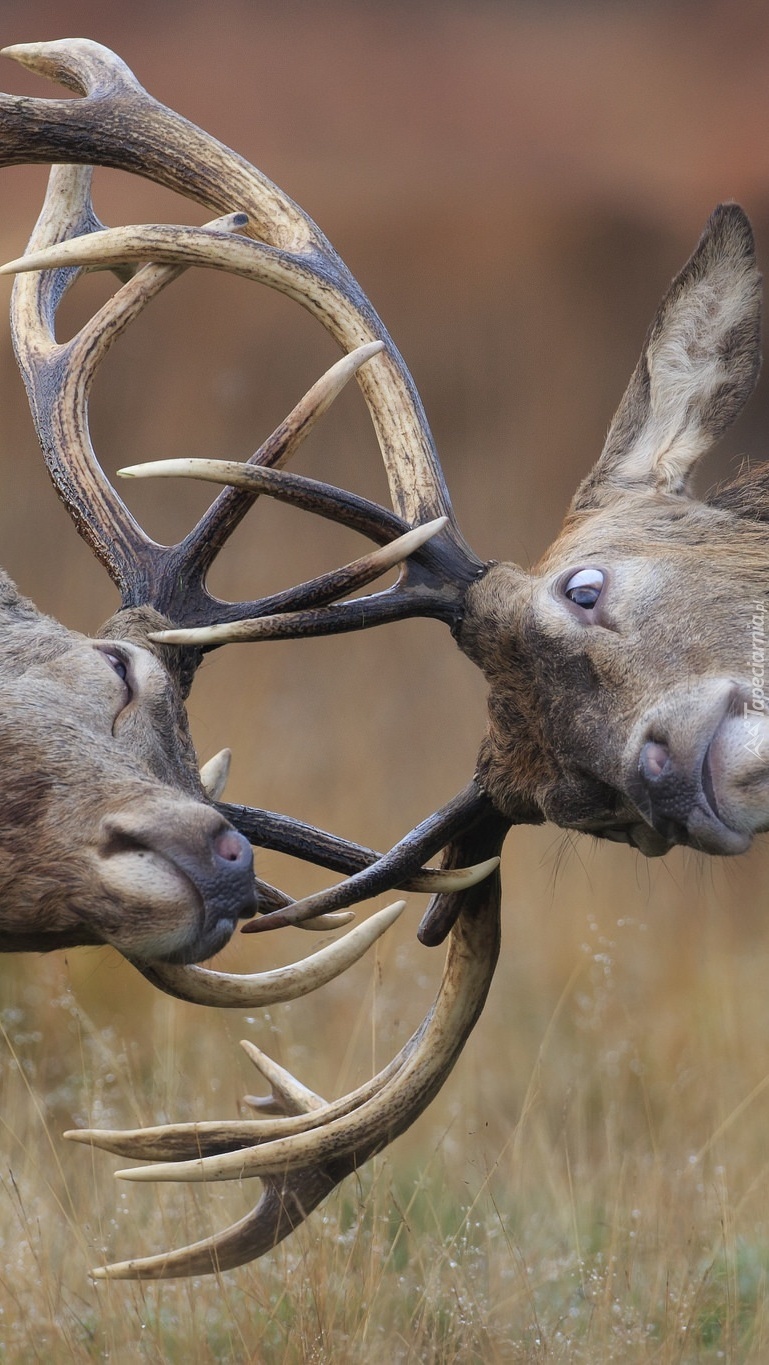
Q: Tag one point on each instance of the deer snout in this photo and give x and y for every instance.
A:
(679, 801)
(233, 855)
(676, 779)
(671, 789)
(188, 869)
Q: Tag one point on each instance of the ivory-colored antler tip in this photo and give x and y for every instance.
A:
(486, 868)
(31, 55)
(122, 1270)
(176, 468)
(146, 470)
(78, 1135)
(154, 1172)
(12, 267)
(201, 635)
(214, 774)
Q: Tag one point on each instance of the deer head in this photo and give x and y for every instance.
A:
(99, 772)
(622, 695)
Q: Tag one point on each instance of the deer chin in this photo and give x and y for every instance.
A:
(638, 834)
(698, 770)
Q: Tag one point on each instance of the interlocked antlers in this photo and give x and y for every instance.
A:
(302, 1156)
(264, 237)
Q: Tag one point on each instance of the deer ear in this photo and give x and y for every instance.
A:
(698, 367)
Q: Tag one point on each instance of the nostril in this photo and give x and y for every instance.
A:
(232, 847)
(654, 761)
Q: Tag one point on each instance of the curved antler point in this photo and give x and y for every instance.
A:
(21, 52)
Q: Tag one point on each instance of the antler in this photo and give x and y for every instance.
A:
(302, 1155)
(264, 237)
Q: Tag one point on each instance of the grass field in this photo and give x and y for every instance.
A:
(591, 1186)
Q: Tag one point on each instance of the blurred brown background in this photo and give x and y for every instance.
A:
(513, 185)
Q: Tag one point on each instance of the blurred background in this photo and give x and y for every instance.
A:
(513, 185)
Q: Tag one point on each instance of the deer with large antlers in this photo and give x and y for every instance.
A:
(620, 703)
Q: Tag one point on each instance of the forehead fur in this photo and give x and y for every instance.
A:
(647, 524)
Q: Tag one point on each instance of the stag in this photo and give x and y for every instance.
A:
(619, 704)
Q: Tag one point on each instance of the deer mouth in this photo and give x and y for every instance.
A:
(690, 782)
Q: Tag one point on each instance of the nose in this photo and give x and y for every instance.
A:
(674, 766)
(654, 759)
(676, 794)
(225, 879)
(199, 843)
(230, 847)
(670, 790)
(220, 864)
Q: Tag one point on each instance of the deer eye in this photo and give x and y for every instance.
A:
(120, 665)
(584, 587)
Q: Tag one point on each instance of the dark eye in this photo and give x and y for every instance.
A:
(120, 666)
(584, 587)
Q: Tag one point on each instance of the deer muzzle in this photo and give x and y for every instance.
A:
(184, 877)
(699, 767)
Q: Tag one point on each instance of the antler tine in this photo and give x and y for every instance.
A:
(299, 1168)
(403, 861)
(117, 123)
(203, 986)
(283, 1207)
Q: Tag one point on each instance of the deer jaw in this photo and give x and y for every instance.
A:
(106, 836)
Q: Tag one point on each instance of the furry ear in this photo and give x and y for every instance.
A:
(698, 367)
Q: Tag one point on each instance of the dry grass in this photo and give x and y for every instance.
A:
(592, 1185)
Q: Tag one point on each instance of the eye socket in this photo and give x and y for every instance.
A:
(122, 667)
(119, 665)
(584, 587)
